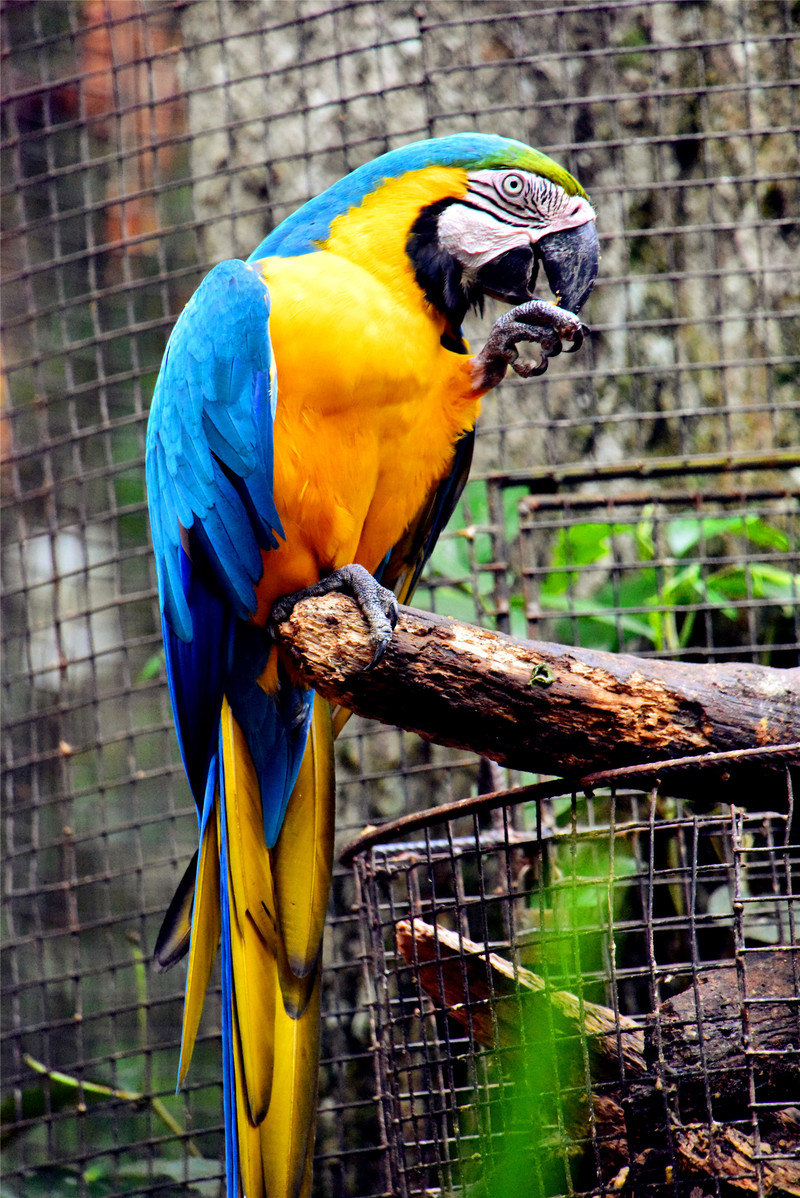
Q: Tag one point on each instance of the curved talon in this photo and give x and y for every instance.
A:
(529, 370)
(378, 606)
(577, 340)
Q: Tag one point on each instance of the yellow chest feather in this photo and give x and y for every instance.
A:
(369, 407)
(370, 404)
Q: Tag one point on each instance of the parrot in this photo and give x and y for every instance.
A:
(311, 430)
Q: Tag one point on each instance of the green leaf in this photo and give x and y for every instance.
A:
(583, 545)
(460, 603)
(474, 502)
(512, 497)
(586, 610)
(152, 667)
(686, 532)
(765, 535)
(450, 558)
(770, 582)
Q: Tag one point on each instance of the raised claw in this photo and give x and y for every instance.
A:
(535, 321)
(578, 339)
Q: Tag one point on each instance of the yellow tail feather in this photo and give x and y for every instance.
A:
(251, 1174)
(255, 985)
(253, 935)
(205, 938)
(248, 856)
(287, 1133)
(302, 858)
(276, 1042)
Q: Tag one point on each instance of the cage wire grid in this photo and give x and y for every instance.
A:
(493, 1080)
(643, 497)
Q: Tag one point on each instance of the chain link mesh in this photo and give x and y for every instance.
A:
(642, 496)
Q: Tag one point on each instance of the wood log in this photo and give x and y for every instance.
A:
(736, 1027)
(698, 1039)
(730, 1156)
(544, 707)
(491, 999)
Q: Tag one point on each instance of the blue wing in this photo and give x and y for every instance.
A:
(209, 441)
(209, 482)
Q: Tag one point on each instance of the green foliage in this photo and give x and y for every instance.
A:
(624, 585)
(105, 1176)
(457, 567)
(61, 1093)
(650, 582)
(541, 1113)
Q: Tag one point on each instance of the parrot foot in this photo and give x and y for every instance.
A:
(536, 321)
(378, 606)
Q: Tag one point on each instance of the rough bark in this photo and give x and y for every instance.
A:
(545, 707)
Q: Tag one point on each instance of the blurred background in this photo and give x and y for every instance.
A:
(642, 496)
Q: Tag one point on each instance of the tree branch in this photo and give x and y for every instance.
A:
(539, 706)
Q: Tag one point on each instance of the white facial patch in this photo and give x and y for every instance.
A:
(474, 238)
(527, 207)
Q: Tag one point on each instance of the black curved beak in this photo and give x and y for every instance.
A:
(570, 259)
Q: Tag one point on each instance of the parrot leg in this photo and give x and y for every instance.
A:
(536, 321)
(378, 605)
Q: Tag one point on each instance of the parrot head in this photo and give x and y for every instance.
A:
(514, 217)
(495, 212)
(512, 222)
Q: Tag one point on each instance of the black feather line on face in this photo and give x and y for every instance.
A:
(440, 275)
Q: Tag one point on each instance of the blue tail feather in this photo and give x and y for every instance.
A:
(228, 1067)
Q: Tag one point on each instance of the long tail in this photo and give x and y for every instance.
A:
(267, 907)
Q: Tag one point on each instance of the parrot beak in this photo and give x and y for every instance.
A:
(570, 259)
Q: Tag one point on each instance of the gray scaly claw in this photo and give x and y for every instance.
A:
(536, 321)
(378, 605)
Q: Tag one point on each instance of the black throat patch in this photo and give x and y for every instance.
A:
(439, 275)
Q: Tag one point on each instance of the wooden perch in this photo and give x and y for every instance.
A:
(543, 707)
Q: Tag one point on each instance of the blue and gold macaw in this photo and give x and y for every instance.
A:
(311, 428)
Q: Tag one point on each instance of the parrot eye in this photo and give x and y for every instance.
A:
(513, 185)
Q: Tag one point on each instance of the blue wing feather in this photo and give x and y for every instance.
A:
(209, 447)
(212, 511)
(197, 671)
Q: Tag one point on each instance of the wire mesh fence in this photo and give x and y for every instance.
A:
(585, 993)
(643, 497)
